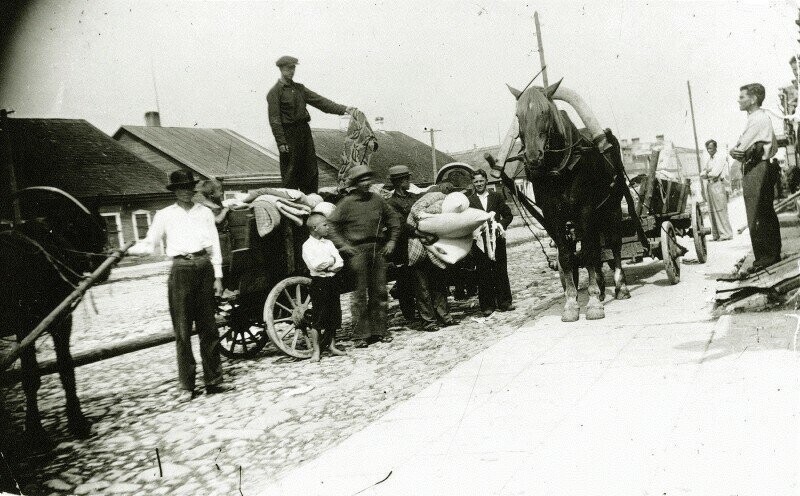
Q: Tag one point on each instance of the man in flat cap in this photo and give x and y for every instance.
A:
(401, 201)
(365, 228)
(288, 118)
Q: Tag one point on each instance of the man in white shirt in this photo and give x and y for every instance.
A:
(195, 278)
(716, 173)
(754, 149)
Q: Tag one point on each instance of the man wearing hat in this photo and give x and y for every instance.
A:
(401, 201)
(288, 118)
(366, 229)
(195, 278)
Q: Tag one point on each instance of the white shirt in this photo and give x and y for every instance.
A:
(185, 231)
(759, 128)
(717, 166)
(321, 257)
(484, 198)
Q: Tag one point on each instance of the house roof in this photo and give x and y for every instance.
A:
(75, 156)
(394, 148)
(206, 150)
(474, 157)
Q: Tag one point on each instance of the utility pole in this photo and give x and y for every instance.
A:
(541, 48)
(8, 178)
(433, 150)
(696, 143)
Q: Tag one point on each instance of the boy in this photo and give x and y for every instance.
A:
(324, 262)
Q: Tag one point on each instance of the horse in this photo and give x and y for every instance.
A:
(580, 198)
(42, 258)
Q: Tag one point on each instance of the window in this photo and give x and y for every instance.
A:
(141, 224)
(114, 227)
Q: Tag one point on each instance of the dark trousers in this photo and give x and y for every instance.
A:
(299, 166)
(191, 300)
(765, 231)
(430, 290)
(404, 287)
(327, 309)
(494, 288)
(368, 301)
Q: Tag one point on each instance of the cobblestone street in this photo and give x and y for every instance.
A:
(282, 411)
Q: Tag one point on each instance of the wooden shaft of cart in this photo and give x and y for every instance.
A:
(65, 306)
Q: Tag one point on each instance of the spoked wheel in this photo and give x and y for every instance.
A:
(699, 233)
(240, 336)
(670, 252)
(284, 310)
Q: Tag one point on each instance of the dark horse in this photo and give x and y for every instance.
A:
(42, 258)
(578, 195)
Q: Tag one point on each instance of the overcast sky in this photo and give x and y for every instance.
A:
(417, 64)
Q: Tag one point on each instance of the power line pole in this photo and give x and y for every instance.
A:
(696, 143)
(433, 150)
(541, 48)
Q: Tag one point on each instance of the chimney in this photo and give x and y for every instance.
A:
(152, 119)
(634, 141)
(624, 142)
(660, 139)
(379, 125)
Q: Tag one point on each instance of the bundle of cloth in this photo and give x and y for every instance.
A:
(449, 221)
(272, 204)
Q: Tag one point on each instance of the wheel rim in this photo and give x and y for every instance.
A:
(670, 252)
(699, 235)
(240, 338)
(284, 313)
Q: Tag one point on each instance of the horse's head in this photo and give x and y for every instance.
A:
(540, 122)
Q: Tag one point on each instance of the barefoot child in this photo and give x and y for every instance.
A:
(324, 261)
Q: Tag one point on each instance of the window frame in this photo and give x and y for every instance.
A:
(118, 219)
(136, 227)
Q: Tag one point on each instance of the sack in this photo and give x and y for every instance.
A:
(454, 225)
(267, 215)
(451, 251)
(324, 208)
(455, 202)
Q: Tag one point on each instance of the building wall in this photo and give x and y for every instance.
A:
(122, 215)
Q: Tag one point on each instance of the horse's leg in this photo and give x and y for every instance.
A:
(621, 291)
(566, 264)
(601, 280)
(78, 425)
(35, 434)
(594, 308)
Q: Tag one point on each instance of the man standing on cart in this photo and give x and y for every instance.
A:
(289, 118)
(366, 229)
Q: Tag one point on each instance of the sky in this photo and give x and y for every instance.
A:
(417, 64)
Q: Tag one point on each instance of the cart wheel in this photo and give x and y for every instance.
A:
(670, 252)
(283, 314)
(239, 336)
(699, 233)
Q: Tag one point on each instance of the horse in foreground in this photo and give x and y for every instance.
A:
(42, 258)
(579, 195)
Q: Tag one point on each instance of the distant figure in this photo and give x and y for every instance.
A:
(288, 118)
(211, 197)
(716, 173)
(324, 263)
(494, 288)
(366, 228)
(195, 278)
(755, 147)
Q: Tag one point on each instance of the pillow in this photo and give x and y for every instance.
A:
(324, 208)
(455, 203)
(452, 250)
(454, 225)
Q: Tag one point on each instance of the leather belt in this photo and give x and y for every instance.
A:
(190, 256)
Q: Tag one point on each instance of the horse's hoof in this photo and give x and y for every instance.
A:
(36, 439)
(595, 312)
(571, 314)
(623, 294)
(80, 427)
(602, 296)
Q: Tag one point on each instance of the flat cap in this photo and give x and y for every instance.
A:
(286, 60)
(357, 172)
(398, 171)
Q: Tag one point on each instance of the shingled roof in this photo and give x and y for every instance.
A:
(394, 148)
(75, 156)
(206, 150)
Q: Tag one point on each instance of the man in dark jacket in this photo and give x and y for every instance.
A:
(401, 201)
(494, 288)
(365, 228)
(288, 118)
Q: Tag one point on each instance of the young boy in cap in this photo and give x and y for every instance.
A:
(195, 278)
(401, 201)
(366, 228)
(288, 118)
(324, 262)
